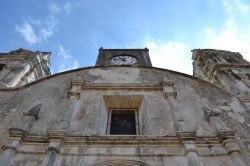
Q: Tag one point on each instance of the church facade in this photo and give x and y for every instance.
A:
(123, 111)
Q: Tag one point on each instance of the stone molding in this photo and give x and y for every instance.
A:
(227, 134)
(56, 134)
(81, 85)
(120, 140)
(168, 89)
(186, 136)
(224, 66)
(75, 94)
(182, 144)
(244, 98)
(231, 145)
(118, 162)
(121, 87)
(165, 87)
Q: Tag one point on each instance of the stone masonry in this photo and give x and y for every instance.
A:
(65, 118)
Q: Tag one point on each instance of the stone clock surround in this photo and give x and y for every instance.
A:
(141, 55)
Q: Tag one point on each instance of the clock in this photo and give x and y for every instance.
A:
(123, 60)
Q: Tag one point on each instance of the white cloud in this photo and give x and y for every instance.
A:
(234, 33)
(38, 30)
(67, 7)
(27, 31)
(54, 8)
(65, 60)
(172, 55)
(229, 39)
(235, 6)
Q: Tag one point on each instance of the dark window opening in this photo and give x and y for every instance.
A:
(123, 122)
(2, 66)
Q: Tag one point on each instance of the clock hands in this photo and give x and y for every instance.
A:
(123, 60)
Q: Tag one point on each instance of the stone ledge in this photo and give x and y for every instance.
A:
(117, 140)
(165, 145)
(244, 98)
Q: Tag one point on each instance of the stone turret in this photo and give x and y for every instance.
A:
(223, 68)
(21, 66)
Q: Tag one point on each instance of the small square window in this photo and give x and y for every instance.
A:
(123, 122)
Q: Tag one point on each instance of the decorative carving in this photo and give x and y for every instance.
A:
(33, 112)
(76, 94)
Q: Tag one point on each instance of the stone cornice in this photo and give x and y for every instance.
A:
(244, 98)
(125, 140)
(81, 85)
(225, 66)
(60, 142)
(121, 87)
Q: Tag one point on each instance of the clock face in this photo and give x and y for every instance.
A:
(123, 60)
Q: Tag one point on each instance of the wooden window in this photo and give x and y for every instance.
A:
(123, 122)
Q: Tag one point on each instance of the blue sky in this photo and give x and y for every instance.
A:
(74, 30)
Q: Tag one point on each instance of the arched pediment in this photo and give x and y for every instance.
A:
(119, 162)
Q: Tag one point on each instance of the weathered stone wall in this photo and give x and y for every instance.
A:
(183, 120)
(20, 67)
(225, 69)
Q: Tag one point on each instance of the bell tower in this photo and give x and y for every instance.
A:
(133, 57)
(21, 66)
(225, 69)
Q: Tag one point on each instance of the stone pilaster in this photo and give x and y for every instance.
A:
(227, 135)
(9, 151)
(74, 97)
(234, 151)
(192, 154)
(170, 96)
(54, 146)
